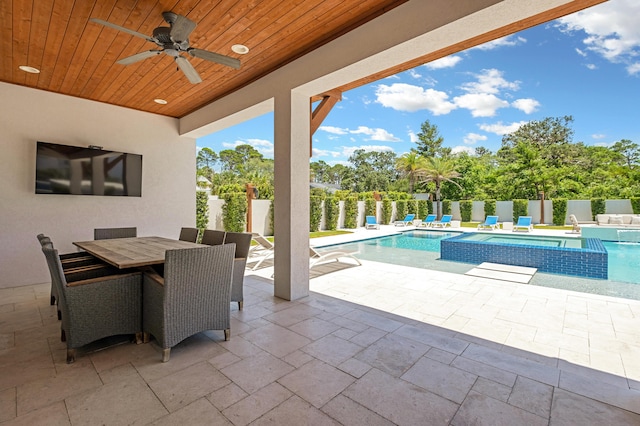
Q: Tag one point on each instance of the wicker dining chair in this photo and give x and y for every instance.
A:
(213, 237)
(242, 240)
(189, 234)
(109, 233)
(94, 307)
(193, 296)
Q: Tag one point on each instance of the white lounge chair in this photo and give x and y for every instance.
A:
(428, 221)
(318, 257)
(408, 220)
(446, 220)
(264, 248)
(524, 222)
(371, 223)
(490, 222)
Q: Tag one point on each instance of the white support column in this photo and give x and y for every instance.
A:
(291, 209)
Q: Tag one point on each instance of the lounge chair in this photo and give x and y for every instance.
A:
(446, 220)
(408, 219)
(491, 222)
(523, 222)
(326, 256)
(371, 223)
(264, 248)
(428, 221)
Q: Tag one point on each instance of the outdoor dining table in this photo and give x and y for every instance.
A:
(133, 252)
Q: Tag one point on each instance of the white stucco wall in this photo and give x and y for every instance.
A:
(29, 115)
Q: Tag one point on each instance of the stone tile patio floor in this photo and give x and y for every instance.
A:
(376, 344)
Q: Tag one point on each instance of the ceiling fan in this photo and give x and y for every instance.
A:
(173, 40)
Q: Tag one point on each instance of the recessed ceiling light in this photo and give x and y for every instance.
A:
(29, 69)
(160, 101)
(240, 49)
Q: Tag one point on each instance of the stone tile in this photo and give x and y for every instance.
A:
(119, 373)
(316, 382)
(227, 396)
(119, 403)
(345, 333)
(349, 412)
(440, 355)
(199, 412)
(297, 358)
(535, 397)
(378, 321)
(492, 389)
(399, 401)
(393, 354)
(569, 409)
(276, 340)
(255, 405)
(7, 404)
(441, 379)
(479, 409)
(349, 324)
(52, 415)
(185, 386)
(23, 364)
(122, 355)
(622, 397)
(368, 337)
(314, 328)
(354, 367)
(439, 340)
(295, 411)
(332, 350)
(224, 359)
(293, 315)
(256, 372)
(241, 347)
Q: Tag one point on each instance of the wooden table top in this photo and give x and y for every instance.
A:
(133, 252)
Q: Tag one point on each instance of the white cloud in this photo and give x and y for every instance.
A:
(263, 146)
(347, 151)
(415, 74)
(446, 62)
(334, 130)
(527, 105)
(581, 52)
(480, 104)
(508, 41)
(410, 98)
(490, 81)
(473, 138)
(412, 136)
(375, 134)
(612, 31)
(461, 148)
(317, 153)
(598, 136)
(502, 129)
(594, 67)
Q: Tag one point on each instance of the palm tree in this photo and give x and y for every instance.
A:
(410, 164)
(438, 170)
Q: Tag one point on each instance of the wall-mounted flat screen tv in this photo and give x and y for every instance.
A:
(64, 169)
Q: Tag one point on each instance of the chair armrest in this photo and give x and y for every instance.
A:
(154, 276)
(101, 279)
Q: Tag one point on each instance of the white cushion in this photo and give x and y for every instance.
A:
(635, 220)
(615, 220)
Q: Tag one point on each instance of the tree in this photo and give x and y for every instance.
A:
(410, 165)
(439, 171)
(629, 150)
(205, 161)
(429, 142)
(373, 171)
(235, 160)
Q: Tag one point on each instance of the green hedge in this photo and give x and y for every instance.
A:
(446, 206)
(386, 210)
(520, 208)
(489, 208)
(272, 216)
(401, 209)
(465, 210)
(423, 209)
(597, 207)
(315, 213)
(370, 207)
(412, 207)
(559, 211)
(230, 188)
(351, 212)
(202, 209)
(635, 204)
(234, 211)
(331, 212)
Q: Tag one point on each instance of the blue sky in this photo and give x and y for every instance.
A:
(586, 65)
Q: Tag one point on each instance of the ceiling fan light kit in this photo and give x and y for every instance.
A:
(173, 40)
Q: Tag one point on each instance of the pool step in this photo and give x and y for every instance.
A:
(497, 271)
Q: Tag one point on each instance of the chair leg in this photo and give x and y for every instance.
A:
(63, 335)
(240, 304)
(71, 356)
(52, 300)
(139, 338)
(145, 337)
(59, 315)
(227, 334)
(166, 353)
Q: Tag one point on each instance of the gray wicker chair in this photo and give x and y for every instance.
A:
(193, 296)
(213, 237)
(109, 233)
(242, 240)
(189, 234)
(94, 307)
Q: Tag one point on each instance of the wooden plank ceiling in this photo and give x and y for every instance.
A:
(78, 57)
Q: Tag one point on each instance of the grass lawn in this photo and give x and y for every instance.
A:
(316, 234)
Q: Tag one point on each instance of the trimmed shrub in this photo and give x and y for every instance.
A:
(635, 204)
(318, 192)
(234, 211)
(370, 207)
(386, 211)
(401, 209)
(331, 212)
(597, 207)
(342, 194)
(520, 208)
(559, 211)
(423, 209)
(272, 216)
(230, 188)
(465, 210)
(412, 207)
(351, 212)
(202, 209)
(446, 206)
(315, 213)
(489, 207)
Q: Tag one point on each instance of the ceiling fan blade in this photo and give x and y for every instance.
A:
(123, 29)
(139, 57)
(215, 57)
(188, 70)
(181, 28)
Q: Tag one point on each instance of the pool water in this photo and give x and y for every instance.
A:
(539, 241)
(624, 258)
